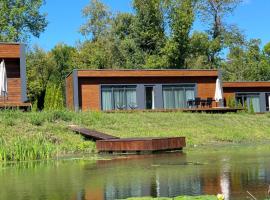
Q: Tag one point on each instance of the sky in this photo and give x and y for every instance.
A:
(65, 18)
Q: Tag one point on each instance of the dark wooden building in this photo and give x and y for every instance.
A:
(137, 89)
(14, 56)
(257, 93)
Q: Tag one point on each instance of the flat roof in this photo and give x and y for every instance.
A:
(246, 84)
(146, 73)
(11, 43)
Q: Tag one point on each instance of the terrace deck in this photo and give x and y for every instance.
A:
(199, 110)
(15, 105)
(139, 145)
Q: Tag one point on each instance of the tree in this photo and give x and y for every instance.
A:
(199, 51)
(181, 18)
(213, 13)
(98, 20)
(247, 63)
(149, 25)
(21, 18)
(62, 55)
(40, 68)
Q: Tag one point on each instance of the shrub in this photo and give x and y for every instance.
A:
(36, 119)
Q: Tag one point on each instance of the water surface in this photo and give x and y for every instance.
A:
(232, 171)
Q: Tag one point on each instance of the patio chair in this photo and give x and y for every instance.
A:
(190, 103)
(133, 106)
(197, 102)
(120, 107)
(209, 101)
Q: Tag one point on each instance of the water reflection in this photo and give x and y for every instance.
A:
(230, 171)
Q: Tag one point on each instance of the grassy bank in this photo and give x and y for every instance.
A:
(43, 135)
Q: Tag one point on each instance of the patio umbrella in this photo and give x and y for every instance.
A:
(218, 92)
(3, 80)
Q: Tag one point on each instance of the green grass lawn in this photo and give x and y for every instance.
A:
(33, 135)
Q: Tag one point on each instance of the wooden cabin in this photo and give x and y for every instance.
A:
(138, 89)
(257, 93)
(14, 56)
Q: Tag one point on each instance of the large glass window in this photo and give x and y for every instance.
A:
(249, 99)
(177, 96)
(118, 97)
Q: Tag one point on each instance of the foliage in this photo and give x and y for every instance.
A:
(98, 18)
(54, 97)
(251, 107)
(231, 102)
(21, 18)
(149, 25)
(40, 68)
(181, 16)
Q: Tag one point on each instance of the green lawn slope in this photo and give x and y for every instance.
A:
(41, 135)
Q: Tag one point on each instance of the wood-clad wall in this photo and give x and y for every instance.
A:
(11, 55)
(69, 92)
(89, 88)
(9, 50)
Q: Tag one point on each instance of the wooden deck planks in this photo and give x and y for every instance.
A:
(91, 134)
(141, 144)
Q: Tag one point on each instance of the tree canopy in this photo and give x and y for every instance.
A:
(21, 18)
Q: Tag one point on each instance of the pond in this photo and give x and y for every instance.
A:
(230, 170)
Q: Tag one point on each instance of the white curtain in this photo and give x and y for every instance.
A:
(179, 98)
(255, 103)
(168, 98)
(107, 100)
(190, 94)
(131, 98)
(119, 99)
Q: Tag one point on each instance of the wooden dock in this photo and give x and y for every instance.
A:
(91, 134)
(111, 144)
(138, 145)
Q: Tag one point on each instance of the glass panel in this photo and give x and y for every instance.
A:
(168, 98)
(119, 99)
(179, 98)
(107, 100)
(131, 99)
(255, 100)
(190, 94)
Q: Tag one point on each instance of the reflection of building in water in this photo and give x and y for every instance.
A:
(169, 176)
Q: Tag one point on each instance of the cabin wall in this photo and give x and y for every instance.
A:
(89, 88)
(14, 57)
(263, 92)
(69, 92)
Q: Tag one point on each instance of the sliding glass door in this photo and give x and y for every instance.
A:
(249, 100)
(118, 97)
(177, 96)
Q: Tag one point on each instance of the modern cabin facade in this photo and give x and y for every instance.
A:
(257, 93)
(13, 55)
(104, 90)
